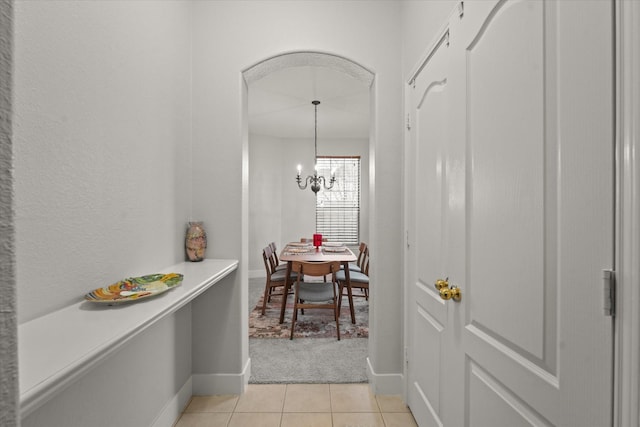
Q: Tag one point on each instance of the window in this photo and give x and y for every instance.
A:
(338, 209)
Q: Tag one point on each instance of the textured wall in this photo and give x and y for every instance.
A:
(102, 122)
(102, 144)
(8, 323)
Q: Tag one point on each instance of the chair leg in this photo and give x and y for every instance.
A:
(338, 322)
(294, 318)
(283, 304)
(264, 299)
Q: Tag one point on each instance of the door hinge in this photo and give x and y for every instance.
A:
(609, 287)
(408, 121)
(406, 355)
(408, 244)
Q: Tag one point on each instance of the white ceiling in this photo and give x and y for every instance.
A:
(280, 104)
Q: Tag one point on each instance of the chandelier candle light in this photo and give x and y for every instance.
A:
(315, 179)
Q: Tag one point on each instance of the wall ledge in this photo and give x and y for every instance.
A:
(58, 348)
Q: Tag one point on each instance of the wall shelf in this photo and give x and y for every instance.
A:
(58, 348)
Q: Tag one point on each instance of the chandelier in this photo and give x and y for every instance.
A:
(315, 180)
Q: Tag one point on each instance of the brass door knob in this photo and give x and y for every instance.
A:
(441, 284)
(451, 293)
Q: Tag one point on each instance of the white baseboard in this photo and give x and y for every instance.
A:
(384, 383)
(209, 384)
(247, 374)
(174, 408)
(202, 385)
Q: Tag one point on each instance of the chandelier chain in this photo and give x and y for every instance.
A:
(315, 180)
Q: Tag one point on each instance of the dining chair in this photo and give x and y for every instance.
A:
(322, 295)
(275, 279)
(278, 266)
(363, 251)
(357, 280)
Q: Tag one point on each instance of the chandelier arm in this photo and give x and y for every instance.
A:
(324, 182)
(299, 181)
(331, 182)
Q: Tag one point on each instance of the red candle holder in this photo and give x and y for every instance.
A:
(317, 240)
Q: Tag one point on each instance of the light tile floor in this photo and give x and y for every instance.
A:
(298, 405)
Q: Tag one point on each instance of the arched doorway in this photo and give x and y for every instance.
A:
(281, 171)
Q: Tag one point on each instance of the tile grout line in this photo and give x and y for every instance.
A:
(331, 404)
(284, 400)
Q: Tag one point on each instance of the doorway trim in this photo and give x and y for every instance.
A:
(359, 72)
(627, 359)
(308, 58)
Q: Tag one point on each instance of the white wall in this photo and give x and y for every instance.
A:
(8, 316)
(102, 153)
(298, 207)
(102, 178)
(265, 197)
(421, 20)
(231, 36)
(278, 210)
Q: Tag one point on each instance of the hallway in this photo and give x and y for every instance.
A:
(298, 405)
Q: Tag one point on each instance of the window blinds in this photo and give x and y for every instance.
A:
(338, 209)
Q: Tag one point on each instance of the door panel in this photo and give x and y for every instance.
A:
(427, 380)
(512, 160)
(536, 203)
(494, 405)
(512, 157)
(506, 177)
(529, 159)
(428, 314)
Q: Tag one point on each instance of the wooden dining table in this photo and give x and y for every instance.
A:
(299, 252)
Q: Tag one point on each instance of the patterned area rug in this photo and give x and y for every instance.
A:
(318, 323)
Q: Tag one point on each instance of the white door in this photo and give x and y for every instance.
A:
(427, 256)
(523, 180)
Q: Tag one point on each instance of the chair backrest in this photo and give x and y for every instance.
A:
(363, 251)
(266, 255)
(365, 263)
(272, 259)
(272, 245)
(324, 268)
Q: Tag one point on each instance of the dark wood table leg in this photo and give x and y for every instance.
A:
(348, 280)
(285, 294)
